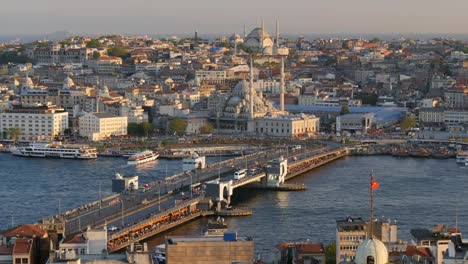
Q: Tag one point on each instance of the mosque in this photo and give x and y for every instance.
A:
(262, 42)
(247, 111)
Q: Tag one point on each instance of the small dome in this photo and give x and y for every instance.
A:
(371, 249)
(105, 89)
(68, 83)
(233, 101)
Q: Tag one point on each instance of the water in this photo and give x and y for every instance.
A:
(415, 192)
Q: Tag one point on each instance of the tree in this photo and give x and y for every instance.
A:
(118, 51)
(344, 110)
(93, 44)
(132, 129)
(146, 128)
(408, 122)
(330, 253)
(96, 55)
(375, 40)
(206, 129)
(15, 133)
(177, 126)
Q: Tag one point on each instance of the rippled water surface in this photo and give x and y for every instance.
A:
(416, 192)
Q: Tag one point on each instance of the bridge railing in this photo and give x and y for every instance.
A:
(151, 220)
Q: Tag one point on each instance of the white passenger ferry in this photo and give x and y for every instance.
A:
(55, 150)
(142, 157)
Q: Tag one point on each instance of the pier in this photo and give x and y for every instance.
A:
(134, 216)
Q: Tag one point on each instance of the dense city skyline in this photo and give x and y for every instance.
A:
(147, 17)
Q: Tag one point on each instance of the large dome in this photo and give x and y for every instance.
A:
(371, 249)
(259, 38)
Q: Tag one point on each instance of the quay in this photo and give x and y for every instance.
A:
(132, 217)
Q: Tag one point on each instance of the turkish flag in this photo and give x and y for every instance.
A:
(374, 185)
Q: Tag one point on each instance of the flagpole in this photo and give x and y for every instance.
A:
(371, 218)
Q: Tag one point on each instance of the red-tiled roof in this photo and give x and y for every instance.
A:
(22, 246)
(5, 250)
(78, 239)
(25, 231)
(413, 251)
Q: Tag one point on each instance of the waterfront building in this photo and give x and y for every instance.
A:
(98, 126)
(354, 123)
(288, 125)
(90, 242)
(38, 123)
(209, 250)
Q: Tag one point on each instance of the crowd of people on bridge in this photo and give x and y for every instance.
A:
(135, 235)
(310, 163)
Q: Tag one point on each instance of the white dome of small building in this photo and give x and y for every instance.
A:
(68, 83)
(371, 251)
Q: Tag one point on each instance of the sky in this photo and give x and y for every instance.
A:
(225, 17)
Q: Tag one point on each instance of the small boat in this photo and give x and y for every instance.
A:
(128, 154)
(462, 157)
(142, 157)
(216, 228)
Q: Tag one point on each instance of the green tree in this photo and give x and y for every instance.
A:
(408, 122)
(118, 51)
(344, 110)
(146, 128)
(177, 126)
(15, 134)
(375, 40)
(132, 129)
(330, 253)
(206, 129)
(96, 55)
(93, 44)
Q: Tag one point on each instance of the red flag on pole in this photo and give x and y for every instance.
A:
(374, 185)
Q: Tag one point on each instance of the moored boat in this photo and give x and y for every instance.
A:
(462, 157)
(142, 157)
(55, 150)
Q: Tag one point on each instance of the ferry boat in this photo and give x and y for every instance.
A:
(462, 157)
(55, 150)
(142, 157)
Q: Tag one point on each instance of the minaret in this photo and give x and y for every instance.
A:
(245, 33)
(277, 33)
(262, 35)
(282, 85)
(251, 106)
(196, 38)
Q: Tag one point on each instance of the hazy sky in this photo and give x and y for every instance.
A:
(222, 16)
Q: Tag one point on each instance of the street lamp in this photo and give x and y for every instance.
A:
(159, 195)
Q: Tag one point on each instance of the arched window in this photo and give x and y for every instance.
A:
(370, 260)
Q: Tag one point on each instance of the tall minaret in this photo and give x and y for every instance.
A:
(251, 106)
(245, 33)
(282, 85)
(262, 36)
(277, 33)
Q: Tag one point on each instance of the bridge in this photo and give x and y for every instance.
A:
(136, 216)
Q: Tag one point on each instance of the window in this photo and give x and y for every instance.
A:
(17, 261)
(25, 261)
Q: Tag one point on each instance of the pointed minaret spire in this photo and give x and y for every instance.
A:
(262, 34)
(277, 33)
(245, 32)
(251, 106)
(282, 85)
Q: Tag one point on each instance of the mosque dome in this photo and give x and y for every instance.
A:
(233, 101)
(234, 37)
(257, 37)
(371, 251)
(257, 34)
(241, 89)
(68, 83)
